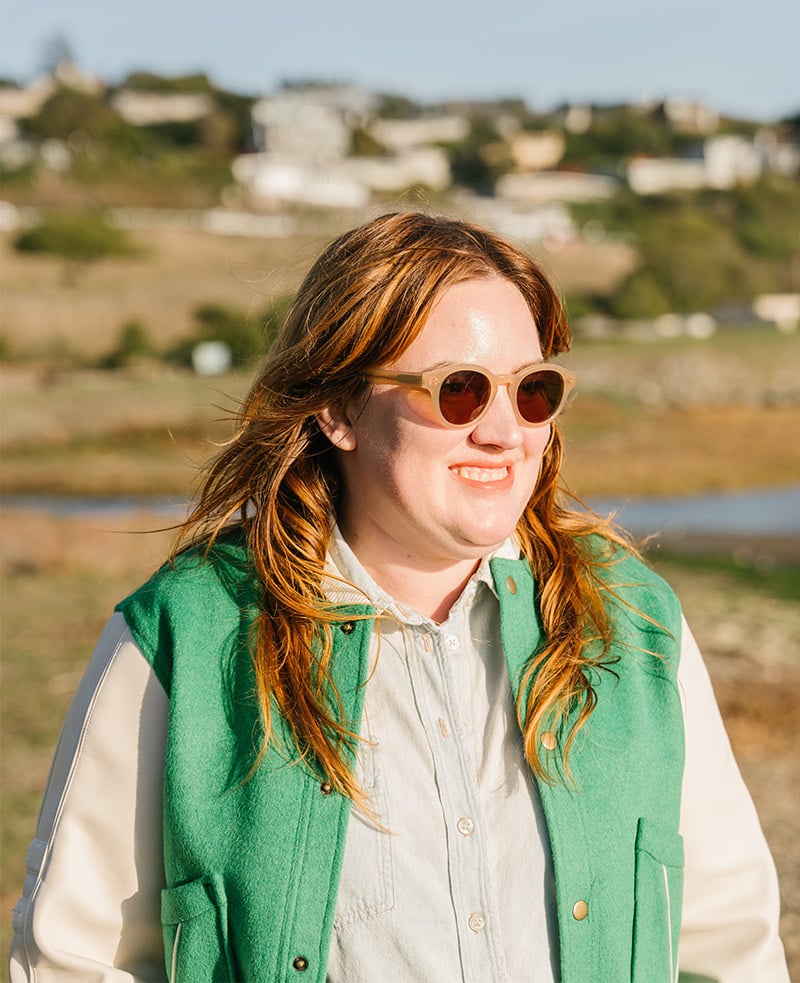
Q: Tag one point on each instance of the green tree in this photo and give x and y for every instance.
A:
(68, 112)
(132, 343)
(472, 162)
(691, 249)
(248, 337)
(620, 132)
(219, 322)
(79, 238)
(641, 296)
(767, 216)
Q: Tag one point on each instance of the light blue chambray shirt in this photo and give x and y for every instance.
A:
(458, 884)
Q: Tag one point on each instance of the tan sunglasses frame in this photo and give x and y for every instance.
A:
(433, 380)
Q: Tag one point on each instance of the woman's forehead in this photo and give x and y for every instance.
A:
(477, 319)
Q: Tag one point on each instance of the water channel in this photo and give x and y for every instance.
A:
(764, 512)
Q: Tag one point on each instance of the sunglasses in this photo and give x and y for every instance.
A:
(460, 395)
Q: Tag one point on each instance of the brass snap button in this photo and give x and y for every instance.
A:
(512, 585)
(348, 627)
(300, 963)
(549, 740)
(580, 910)
(326, 788)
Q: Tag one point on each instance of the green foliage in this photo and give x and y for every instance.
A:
(171, 165)
(472, 163)
(165, 177)
(69, 113)
(640, 296)
(236, 111)
(18, 178)
(247, 336)
(133, 343)
(694, 255)
(363, 144)
(394, 106)
(217, 322)
(768, 217)
(150, 82)
(80, 237)
(780, 581)
(623, 132)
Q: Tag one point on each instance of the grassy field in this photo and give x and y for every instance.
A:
(630, 431)
(661, 417)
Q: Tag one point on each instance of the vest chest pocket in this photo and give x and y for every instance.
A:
(657, 914)
(194, 922)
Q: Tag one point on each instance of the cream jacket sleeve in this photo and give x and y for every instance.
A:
(91, 902)
(729, 931)
(90, 909)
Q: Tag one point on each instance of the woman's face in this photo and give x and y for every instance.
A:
(421, 494)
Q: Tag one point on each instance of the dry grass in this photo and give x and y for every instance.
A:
(43, 315)
(102, 433)
(620, 451)
(181, 268)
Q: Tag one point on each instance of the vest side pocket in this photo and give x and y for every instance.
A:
(194, 922)
(658, 901)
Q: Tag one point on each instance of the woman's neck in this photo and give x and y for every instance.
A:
(429, 590)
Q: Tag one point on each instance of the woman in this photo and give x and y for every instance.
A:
(394, 712)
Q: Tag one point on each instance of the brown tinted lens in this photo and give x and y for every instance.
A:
(463, 395)
(539, 395)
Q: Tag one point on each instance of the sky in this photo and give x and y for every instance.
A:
(739, 56)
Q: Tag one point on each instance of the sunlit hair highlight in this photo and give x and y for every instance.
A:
(361, 305)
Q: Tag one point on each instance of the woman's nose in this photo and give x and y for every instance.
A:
(499, 426)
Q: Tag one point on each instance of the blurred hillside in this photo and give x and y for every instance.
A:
(645, 210)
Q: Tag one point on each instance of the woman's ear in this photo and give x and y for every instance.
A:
(337, 426)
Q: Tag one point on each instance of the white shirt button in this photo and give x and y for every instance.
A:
(452, 644)
(465, 826)
(477, 922)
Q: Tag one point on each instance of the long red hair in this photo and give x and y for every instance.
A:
(361, 305)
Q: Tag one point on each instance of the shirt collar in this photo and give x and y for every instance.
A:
(347, 582)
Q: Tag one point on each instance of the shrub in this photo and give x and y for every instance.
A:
(78, 237)
(247, 337)
(133, 343)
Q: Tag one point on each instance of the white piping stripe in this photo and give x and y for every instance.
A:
(673, 969)
(174, 967)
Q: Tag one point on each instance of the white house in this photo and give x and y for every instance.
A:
(690, 116)
(536, 151)
(291, 124)
(731, 160)
(404, 134)
(153, 108)
(272, 179)
(728, 161)
(546, 186)
(655, 175)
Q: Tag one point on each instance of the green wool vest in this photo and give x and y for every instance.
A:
(252, 865)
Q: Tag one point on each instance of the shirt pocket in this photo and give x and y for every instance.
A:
(658, 900)
(367, 888)
(194, 922)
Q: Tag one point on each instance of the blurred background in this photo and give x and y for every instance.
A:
(170, 172)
